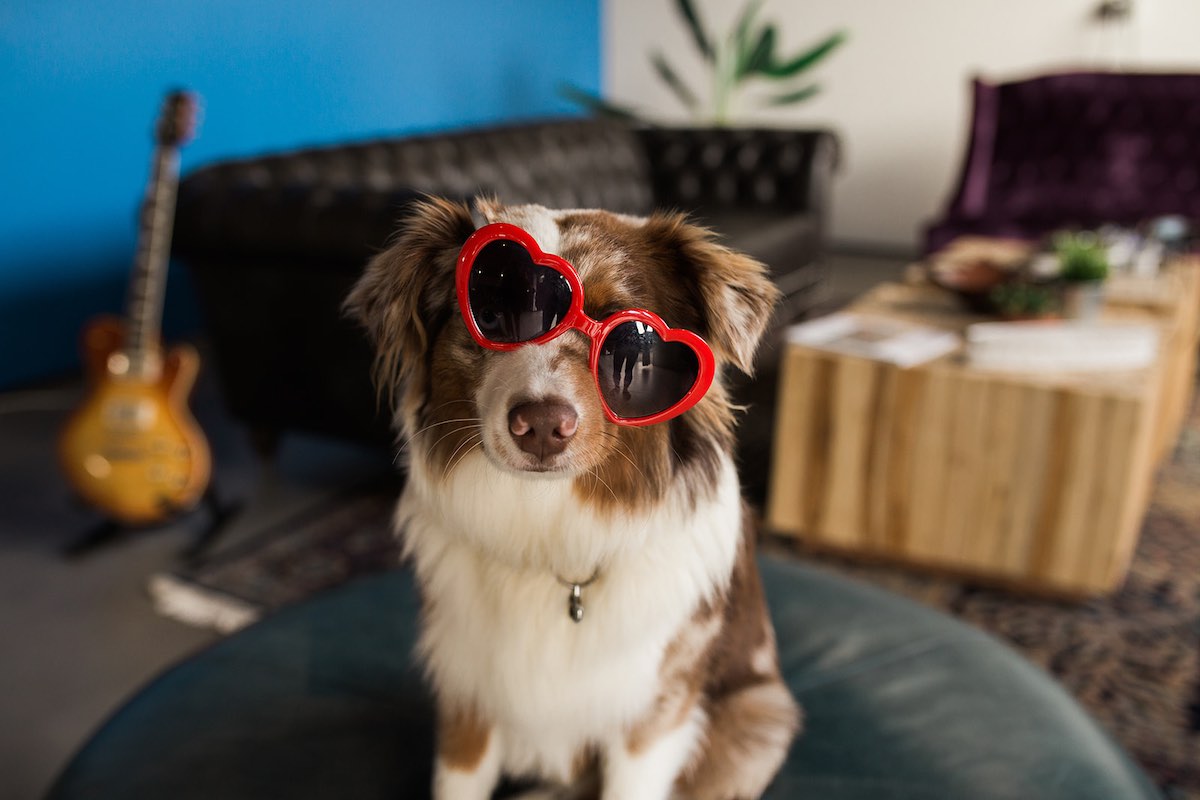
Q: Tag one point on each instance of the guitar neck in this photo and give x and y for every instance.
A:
(148, 283)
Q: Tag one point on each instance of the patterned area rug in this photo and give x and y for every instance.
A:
(1133, 659)
(345, 537)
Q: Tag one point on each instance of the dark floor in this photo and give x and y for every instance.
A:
(79, 634)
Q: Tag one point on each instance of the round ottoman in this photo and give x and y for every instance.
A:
(322, 700)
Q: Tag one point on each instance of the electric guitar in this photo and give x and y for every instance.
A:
(133, 449)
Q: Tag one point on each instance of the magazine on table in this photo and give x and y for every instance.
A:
(904, 344)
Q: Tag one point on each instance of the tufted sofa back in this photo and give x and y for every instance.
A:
(757, 169)
(340, 201)
(1077, 149)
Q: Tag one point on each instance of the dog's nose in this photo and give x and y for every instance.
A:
(544, 427)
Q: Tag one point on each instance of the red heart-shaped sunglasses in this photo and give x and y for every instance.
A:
(512, 294)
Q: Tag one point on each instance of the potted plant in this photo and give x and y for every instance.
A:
(746, 54)
(1083, 267)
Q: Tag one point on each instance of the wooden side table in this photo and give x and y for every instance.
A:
(1035, 480)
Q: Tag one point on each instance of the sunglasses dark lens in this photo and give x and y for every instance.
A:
(642, 375)
(513, 299)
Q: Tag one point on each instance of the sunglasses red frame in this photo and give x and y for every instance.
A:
(576, 319)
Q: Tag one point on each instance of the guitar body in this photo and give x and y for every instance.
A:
(133, 449)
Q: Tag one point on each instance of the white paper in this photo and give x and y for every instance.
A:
(904, 344)
(1061, 346)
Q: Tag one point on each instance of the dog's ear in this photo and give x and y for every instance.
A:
(407, 290)
(485, 209)
(734, 293)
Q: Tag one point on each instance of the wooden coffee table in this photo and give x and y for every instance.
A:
(1029, 479)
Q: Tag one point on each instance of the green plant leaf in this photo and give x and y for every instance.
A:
(806, 59)
(596, 104)
(742, 41)
(688, 12)
(674, 82)
(797, 96)
(761, 55)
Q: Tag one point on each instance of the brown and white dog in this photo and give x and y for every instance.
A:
(670, 686)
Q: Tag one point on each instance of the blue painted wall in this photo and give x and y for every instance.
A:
(81, 82)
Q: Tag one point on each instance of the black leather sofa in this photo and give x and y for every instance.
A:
(274, 243)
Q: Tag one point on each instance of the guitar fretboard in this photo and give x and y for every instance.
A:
(148, 282)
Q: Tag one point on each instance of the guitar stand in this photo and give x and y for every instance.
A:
(109, 531)
(220, 515)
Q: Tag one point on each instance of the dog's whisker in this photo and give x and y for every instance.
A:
(625, 451)
(622, 447)
(432, 425)
(596, 475)
(470, 440)
(633, 464)
(591, 487)
(451, 463)
(445, 436)
(433, 446)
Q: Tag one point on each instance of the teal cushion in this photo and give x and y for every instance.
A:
(322, 701)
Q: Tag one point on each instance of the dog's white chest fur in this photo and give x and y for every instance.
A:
(489, 549)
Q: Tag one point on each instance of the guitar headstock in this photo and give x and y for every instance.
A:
(177, 120)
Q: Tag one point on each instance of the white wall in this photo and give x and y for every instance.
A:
(898, 91)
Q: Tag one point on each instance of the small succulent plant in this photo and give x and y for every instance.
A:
(1082, 257)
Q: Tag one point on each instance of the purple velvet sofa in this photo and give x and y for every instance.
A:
(1076, 149)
